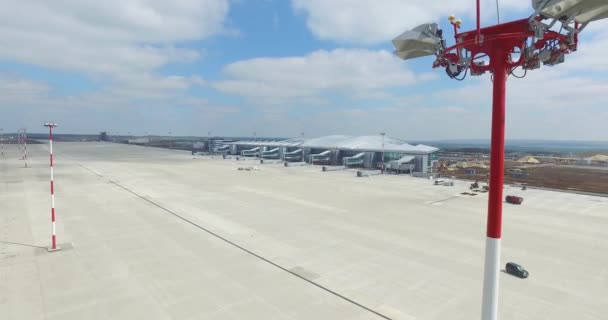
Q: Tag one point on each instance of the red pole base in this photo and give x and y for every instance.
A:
(54, 247)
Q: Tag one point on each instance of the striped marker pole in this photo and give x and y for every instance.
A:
(302, 133)
(51, 125)
(19, 140)
(25, 146)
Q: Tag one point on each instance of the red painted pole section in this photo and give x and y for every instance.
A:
(478, 21)
(497, 147)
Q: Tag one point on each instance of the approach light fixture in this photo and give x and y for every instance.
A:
(421, 41)
(566, 11)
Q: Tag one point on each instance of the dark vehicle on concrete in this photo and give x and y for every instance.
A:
(514, 199)
(516, 270)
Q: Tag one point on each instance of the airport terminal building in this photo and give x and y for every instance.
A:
(349, 151)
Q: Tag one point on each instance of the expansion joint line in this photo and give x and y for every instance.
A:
(368, 309)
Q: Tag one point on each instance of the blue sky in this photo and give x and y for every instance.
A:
(277, 68)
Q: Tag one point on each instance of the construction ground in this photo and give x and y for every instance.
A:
(150, 233)
(576, 178)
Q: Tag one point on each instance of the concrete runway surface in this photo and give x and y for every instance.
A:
(159, 234)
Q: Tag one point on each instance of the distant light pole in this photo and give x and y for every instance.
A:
(2, 140)
(382, 134)
(302, 148)
(19, 141)
(25, 147)
(52, 125)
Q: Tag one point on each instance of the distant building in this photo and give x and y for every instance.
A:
(142, 140)
(468, 164)
(201, 145)
(598, 159)
(529, 160)
(219, 145)
(103, 136)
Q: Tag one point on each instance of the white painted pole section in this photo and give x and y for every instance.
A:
(489, 305)
(25, 146)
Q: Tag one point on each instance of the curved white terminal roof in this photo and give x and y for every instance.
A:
(343, 142)
(326, 142)
(366, 143)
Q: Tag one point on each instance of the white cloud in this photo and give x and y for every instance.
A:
(546, 89)
(591, 50)
(340, 71)
(112, 39)
(17, 91)
(27, 103)
(549, 103)
(21, 86)
(368, 22)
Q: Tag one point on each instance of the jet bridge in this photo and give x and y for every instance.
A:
(355, 160)
(251, 152)
(320, 157)
(271, 154)
(403, 164)
(295, 155)
(221, 149)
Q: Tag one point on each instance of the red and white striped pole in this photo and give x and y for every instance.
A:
(52, 125)
(19, 140)
(489, 307)
(21, 143)
(2, 141)
(25, 147)
(303, 148)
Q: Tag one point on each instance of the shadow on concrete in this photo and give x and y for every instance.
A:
(22, 244)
